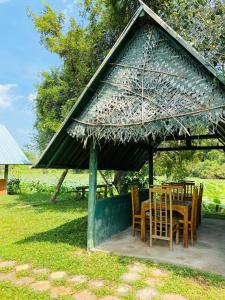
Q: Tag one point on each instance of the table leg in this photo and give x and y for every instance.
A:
(185, 229)
(142, 224)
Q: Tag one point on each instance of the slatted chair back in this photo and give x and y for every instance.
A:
(199, 214)
(194, 212)
(189, 188)
(178, 190)
(161, 214)
(135, 199)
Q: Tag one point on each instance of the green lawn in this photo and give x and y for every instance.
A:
(54, 237)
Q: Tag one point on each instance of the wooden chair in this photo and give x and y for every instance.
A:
(136, 209)
(199, 211)
(178, 190)
(162, 224)
(192, 223)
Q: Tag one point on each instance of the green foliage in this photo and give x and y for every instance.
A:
(139, 178)
(13, 186)
(41, 187)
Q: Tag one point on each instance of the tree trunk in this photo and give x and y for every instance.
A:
(58, 187)
(117, 180)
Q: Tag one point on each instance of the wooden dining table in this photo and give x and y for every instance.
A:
(182, 207)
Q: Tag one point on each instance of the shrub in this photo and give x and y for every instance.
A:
(13, 186)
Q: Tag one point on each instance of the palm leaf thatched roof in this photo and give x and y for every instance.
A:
(151, 85)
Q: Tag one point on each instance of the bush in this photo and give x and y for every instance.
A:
(13, 186)
(39, 187)
(131, 178)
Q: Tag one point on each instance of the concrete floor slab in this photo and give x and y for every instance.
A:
(208, 254)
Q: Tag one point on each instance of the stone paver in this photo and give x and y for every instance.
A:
(78, 279)
(23, 267)
(96, 284)
(153, 281)
(60, 291)
(130, 277)
(60, 275)
(146, 294)
(24, 281)
(159, 273)
(41, 271)
(136, 268)
(172, 297)
(11, 276)
(7, 264)
(109, 298)
(41, 286)
(123, 289)
(84, 295)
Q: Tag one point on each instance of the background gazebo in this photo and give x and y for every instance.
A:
(10, 154)
(152, 87)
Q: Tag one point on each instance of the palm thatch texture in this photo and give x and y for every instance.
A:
(153, 88)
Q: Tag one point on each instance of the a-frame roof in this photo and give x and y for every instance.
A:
(66, 152)
(10, 152)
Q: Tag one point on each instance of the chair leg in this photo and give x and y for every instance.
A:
(177, 236)
(171, 243)
(192, 237)
(133, 228)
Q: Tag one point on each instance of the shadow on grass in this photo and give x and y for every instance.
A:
(73, 233)
(40, 201)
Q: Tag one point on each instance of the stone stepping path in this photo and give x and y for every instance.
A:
(130, 277)
(85, 295)
(68, 285)
(41, 286)
(24, 267)
(7, 264)
(60, 275)
(42, 271)
(96, 284)
(78, 279)
(60, 291)
(123, 289)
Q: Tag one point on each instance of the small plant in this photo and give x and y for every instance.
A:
(13, 186)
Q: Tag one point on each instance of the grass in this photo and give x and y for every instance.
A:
(54, 237)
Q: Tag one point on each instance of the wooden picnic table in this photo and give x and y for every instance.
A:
(85, 188)
(181, 207)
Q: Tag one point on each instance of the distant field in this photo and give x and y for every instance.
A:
(213, 188)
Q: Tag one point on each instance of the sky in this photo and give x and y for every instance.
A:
(22, 59)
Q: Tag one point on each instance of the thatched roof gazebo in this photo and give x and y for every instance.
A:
(151, 87)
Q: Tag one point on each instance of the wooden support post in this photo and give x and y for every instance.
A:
(6, 173)
(151, 167)
(92, 196)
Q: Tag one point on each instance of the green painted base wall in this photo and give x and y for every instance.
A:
(113, 215)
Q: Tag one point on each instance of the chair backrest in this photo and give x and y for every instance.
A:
(189, 188)
(178, 190)
(161, 213)
(201, 192)
(135, 199)
(194, 209)
(199, 210)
